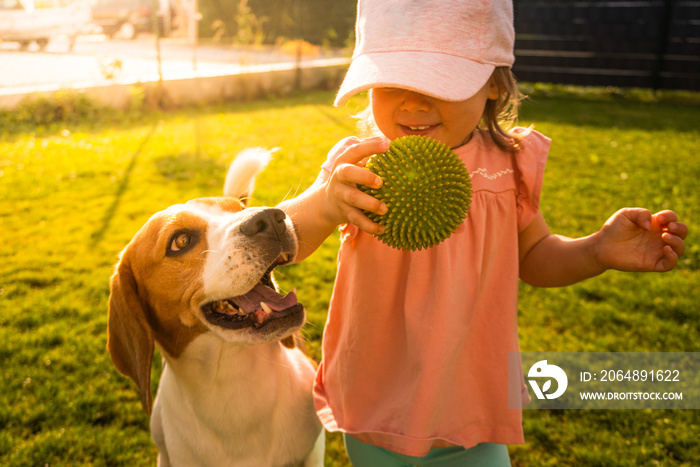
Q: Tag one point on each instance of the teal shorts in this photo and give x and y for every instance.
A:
(482, 455)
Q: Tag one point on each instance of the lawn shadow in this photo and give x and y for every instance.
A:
(98, 235)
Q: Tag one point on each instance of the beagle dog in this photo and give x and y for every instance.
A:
(196, 282)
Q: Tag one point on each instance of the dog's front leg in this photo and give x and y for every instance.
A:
(163, 460)
(158, 435)
(315, 458)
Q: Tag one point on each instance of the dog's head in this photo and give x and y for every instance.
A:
(202, 267)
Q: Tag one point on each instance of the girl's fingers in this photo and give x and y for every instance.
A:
(351, 174)
(665, 217)
(675, 242)
(678, 229)
(357, 150)
(641, 217)
(358, 218)
(674, 231)
(342, 145)
(357, 199)
(348, 173)
(669, 260)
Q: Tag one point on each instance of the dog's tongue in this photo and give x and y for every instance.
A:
(250, 302)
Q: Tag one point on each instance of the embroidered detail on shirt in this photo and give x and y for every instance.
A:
(484, 173)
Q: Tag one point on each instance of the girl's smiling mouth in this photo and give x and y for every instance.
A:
(416, 129)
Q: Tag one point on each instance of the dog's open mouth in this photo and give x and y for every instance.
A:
(256, 308)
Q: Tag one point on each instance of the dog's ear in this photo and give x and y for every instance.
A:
(129, 337)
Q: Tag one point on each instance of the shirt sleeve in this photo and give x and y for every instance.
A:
(530, 164)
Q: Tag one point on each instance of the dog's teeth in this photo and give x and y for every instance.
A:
(284, 257)
(266, 308)
(227, 308)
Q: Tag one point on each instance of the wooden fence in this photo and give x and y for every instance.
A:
(645, 43)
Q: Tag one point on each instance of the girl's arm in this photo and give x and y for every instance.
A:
(334, 198)
(631, 240)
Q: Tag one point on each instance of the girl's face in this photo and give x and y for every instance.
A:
(399, 112)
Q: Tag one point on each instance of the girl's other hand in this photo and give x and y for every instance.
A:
(344, 201)
(634, 239)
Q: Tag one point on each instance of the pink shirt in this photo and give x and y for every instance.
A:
(416, 345)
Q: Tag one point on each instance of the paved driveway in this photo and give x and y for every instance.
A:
(95, 61)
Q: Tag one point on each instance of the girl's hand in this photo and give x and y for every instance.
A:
(344, 202)
(635, 240)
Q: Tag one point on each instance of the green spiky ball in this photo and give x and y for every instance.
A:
(426, 188)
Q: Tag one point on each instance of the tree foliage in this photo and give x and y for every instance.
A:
(268, 21)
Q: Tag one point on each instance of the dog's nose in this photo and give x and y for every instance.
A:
(268, 222)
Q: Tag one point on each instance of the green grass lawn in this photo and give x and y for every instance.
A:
(74, 194)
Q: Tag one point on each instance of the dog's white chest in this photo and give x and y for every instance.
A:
(217, 403)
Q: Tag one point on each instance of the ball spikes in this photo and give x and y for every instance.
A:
(426, 188)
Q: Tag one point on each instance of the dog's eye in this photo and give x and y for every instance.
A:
(180, 241)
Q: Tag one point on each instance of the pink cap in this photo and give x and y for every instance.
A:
(442, 48)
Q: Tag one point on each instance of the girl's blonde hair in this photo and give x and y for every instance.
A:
(500, 115)
(498, 118)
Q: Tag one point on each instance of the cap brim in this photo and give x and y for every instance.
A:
(445, 77)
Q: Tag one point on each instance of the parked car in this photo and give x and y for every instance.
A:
(27, 21)
(128, 18)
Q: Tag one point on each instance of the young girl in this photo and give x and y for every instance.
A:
(415, 350)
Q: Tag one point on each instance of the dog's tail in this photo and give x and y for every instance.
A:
(240, 179)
